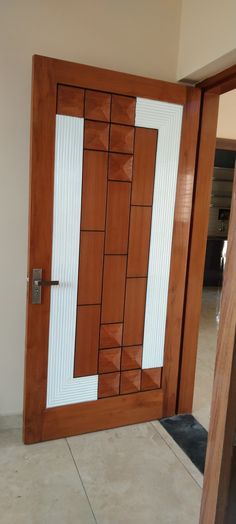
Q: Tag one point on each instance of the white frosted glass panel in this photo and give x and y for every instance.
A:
(62, 388)
(167, 118)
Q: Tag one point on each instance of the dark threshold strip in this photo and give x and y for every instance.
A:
(190, 436)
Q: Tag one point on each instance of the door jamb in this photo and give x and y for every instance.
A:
(211, 88)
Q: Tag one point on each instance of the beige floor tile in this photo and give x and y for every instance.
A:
(39, 484)
(132, 476)
(206, 356)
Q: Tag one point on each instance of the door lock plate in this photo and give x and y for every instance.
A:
(36, 288)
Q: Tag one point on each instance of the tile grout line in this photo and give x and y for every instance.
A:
(169, 446)
(77, 469)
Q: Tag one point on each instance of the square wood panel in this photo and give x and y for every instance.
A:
(94, 190)
(120, 167)
(117, 223)
(97, 105)
(109, 360)
(70, 101)
(144, 166)
(90, 267)
(121, 139)
(111, 335)
(130, 381)
(113, 294)
(151, 379)
(131, 357)
(96, 135)
(123, 109)
(108, 385)
(87, 339)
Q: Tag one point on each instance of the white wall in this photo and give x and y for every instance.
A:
(127, 35)
(226, 125)
(207, 41)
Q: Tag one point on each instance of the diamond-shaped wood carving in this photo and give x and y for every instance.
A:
(110, 335)
(131, 357)
(96, 135)
(130, 381)
(70, 101)
(121, 139)
(109, 360)
(120, 167)
(97, 105)
(151, 379)
(123, 109)
(108, 385)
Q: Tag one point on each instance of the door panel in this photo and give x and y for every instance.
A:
(101, 351)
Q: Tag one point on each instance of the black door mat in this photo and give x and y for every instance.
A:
(189, 435)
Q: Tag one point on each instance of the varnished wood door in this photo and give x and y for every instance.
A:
(112, 170)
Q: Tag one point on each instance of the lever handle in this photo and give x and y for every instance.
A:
(46, 282)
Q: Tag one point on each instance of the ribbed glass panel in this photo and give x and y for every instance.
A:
(167, 118)
(62, 388)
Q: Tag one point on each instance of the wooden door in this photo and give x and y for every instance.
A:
(112, 171)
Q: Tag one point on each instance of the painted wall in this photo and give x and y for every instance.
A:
(226, 126)
(132, 36)
(207, 41)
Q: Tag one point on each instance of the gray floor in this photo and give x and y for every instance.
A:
(134, 474)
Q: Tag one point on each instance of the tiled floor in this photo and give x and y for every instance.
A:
(134, 474)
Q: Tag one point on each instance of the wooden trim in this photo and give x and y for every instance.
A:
(223, 412)
(221, 82)
(183, 208)
(101, 414)
(199, 227)
(226, 143)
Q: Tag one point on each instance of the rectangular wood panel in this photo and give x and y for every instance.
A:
(90, 267)
(87, 340)
(113, 294)
(134, 311)
(117, 225)
(94, 190)
(139, 238)
(144, 166)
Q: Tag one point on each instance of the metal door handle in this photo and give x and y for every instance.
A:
(38, 283)
(46, 282)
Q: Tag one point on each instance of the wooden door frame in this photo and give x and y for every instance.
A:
(211, 88)
(41, 423)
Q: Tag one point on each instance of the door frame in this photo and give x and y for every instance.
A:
(211, 89)
(41, 423)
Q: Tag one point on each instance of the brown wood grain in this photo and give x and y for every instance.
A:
(70, 101)
(94, 189)
(96, 135)
(134, 311)
(228, 144)
(117, 223)
(109, 360)
(97, 105)
(110, 335)
(145, 148)
(131, 357)
(113, 294)
(223, 413)
(130, 381)
(121, 139)
(196, 260)
(120, 167)
(151, 378)
(87, 341)
(103, 414)
(108, 385)
(123, 110)
(90, 267)
(139, 238)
